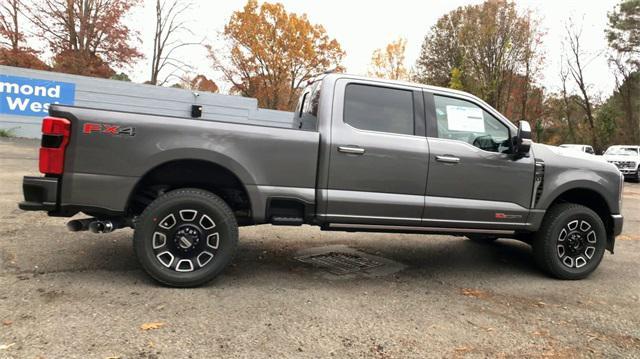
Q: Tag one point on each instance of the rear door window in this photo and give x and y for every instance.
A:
(377, 108)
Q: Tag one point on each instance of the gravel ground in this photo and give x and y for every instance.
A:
(80, 295)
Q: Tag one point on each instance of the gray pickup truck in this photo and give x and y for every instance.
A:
(363, 155)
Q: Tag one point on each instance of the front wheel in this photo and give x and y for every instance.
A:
(571, 241)
(186, 237)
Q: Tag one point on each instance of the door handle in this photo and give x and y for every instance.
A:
(354, 150)
(447, 159)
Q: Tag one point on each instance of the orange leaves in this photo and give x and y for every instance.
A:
(388, 63)
(271, 53)
(87, 37)
(23, 57)
(474, 293)
(202, 83)
(81, 63)
(152, 326)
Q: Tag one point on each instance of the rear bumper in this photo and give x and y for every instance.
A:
(40, 194)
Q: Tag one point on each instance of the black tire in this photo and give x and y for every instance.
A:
(571, 241)
(201, 237)
(482, 238)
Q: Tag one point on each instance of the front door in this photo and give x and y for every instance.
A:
(474, 182)
(379, 154)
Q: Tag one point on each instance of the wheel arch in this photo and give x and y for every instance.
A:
(592, 199)
(191, 172)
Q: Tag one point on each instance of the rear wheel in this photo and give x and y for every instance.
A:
(571, 241)
(186, 237)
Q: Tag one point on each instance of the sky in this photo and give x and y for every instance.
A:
(363, 26)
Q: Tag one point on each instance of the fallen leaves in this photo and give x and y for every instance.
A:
(474, 293)
(541, 333)
(6, 346)
(462, 352)
(152, 326)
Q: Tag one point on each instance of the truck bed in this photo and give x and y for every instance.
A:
(263, 158)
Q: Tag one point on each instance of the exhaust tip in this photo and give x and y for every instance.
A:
(101, 227)
(78, 225)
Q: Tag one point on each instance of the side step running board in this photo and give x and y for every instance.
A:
(287, 221)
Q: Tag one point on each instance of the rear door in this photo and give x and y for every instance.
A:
(379, 155)
(474, 181)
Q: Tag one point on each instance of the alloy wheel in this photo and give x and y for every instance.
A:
(185, 240)
(576, 244)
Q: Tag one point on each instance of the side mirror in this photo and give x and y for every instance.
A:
(522, 141)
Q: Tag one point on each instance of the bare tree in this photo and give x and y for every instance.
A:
(532, 59)
(9, 26)
(564, 74)
(170, 23)
(576, 63)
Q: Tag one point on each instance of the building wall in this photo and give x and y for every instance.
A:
(23, 110)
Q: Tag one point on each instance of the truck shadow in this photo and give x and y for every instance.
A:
(416, 256)
(278, 256)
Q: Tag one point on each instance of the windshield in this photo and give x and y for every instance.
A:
(622, 151)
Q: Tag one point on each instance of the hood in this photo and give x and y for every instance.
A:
(571, 158)
(573, 153)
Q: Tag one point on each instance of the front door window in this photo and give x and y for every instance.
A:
(464, 121)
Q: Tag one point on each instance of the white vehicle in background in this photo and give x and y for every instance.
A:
(582, 148)
(626, 158)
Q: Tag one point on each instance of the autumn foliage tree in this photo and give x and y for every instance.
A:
(271, 54)
(441, 56)
(623, 36)
(388, 62)
(13, 51)
(197, 82)
(87, 37)
(202, 83)
(485, 49)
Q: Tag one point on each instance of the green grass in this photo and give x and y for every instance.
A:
(7, 132)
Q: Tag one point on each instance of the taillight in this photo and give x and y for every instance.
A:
(55, 137)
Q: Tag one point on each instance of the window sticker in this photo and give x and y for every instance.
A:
(467, 119)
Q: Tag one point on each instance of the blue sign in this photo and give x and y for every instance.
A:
(25, 96)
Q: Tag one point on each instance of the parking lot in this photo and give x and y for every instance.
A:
(84, 295)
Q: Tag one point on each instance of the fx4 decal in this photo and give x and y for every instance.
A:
(107, 129)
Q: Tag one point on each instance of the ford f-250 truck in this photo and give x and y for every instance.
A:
(363, 155)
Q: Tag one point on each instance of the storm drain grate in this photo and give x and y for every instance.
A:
(340, 263)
